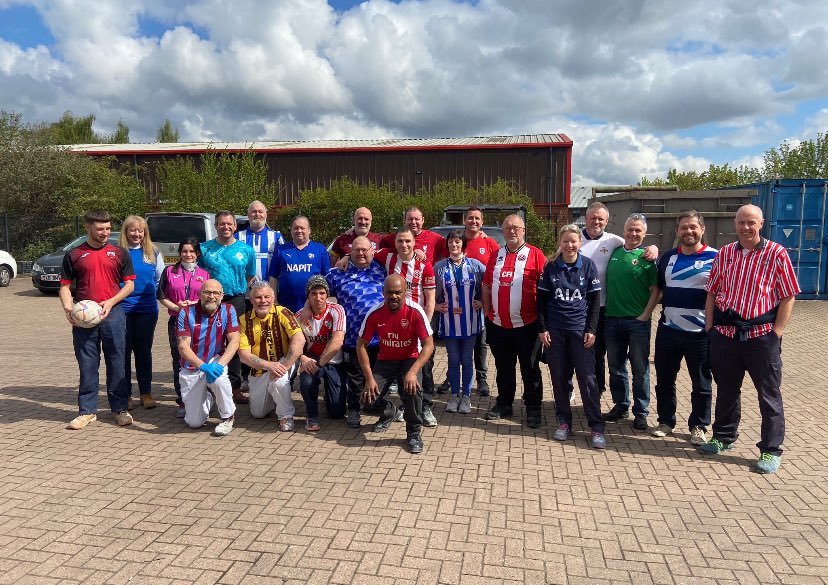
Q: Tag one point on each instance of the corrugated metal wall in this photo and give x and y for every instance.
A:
(540, 172)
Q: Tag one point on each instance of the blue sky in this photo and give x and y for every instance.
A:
(640, 87)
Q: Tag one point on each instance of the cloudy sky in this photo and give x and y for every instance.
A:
(639, 86)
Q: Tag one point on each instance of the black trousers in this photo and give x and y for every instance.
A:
(600, 351)
(354, 378)
(386, 373)
(234, 367)
(567, 352)
(671, 345)
(761, 358)
(510, 347)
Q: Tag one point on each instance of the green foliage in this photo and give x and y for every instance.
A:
(808, 160)
(215, 181)
(120, 136)
(44, 187)
(71, 129)
(166, 132)
(330, 210)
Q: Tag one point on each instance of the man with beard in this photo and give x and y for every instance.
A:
(406, 344)
(682, 276)
(271, 342)
(208, 337)
(233, 264)
(750, 298)
(362, 221)
(261, 238)
(294, 263)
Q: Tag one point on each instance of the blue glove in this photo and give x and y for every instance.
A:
(213, 371)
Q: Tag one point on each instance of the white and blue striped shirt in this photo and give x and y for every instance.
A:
(264, 243)
(459, 286)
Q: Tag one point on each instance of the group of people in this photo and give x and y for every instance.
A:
(250, 313)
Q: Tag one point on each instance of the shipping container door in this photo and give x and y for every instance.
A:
(797, 222)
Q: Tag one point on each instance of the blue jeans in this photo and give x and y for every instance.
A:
(140, 331)
(460, 355)
(629, 337)
(109, 336)
(335, 391)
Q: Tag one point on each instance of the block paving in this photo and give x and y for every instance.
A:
(485, 503)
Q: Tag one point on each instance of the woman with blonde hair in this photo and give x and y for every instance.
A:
(141, 307)
(568, 303)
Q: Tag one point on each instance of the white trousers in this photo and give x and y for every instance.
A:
(268, 394)
(198, 398)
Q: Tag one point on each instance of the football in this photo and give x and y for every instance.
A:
(86, 314)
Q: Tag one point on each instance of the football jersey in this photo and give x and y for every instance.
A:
(400, 334)
(459, 286)
(513, 279)
(431, 243)
(599, 251)
(358, 290)
(264, 243)
(207, 333)
(629, 278)
(268, 337)
(293, 267)
(682, 279)
(418, 275)
(568, 287)
(97, 272)
(344, 242)
(481, 249)
(319, 329)
(231, 265)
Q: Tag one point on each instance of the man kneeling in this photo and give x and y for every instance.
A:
(271, 342)
(405, 343)
(208, 337)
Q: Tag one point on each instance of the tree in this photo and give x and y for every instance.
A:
(715, 177)
(808, 160)
(121, 134)
(74, 130)
(166, 132)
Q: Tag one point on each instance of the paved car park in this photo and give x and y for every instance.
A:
(485, 503)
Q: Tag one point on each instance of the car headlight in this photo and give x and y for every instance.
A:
(37, 267)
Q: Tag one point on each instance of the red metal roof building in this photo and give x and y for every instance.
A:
(540, 164)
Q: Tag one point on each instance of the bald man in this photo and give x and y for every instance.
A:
(361, 226)
(406, 343)
(750, 297)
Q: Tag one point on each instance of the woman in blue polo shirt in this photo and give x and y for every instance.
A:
(568, 304)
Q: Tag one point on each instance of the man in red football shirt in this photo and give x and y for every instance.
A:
(428, 246)
(510, 292)
(341, 248)
(406, 344)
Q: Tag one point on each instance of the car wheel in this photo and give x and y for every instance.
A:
(5, 276)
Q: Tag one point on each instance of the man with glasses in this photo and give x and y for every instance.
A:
(510, 290)
(208, 338)
(358, 289)
(632, 294)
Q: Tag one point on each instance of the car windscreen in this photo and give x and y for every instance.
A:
(174, 229)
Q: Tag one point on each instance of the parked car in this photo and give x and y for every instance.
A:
(8, 268)
(492, 216)
(168, 229)
(46, 271)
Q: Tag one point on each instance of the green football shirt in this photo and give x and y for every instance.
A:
(629, 278)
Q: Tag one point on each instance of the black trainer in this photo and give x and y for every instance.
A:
(616, 413)
(640, 422)
(385, 421)
(533, 417)
(443, 388)
(499, 412)
(414, 443)
(353, 419)
(483, 388)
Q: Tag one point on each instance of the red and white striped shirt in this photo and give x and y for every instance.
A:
(319, 329)
(751, 282)
(417, 275)
(513, 279)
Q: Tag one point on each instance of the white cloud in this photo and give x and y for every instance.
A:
(631, 82)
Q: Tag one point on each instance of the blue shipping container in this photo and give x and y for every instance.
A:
(795, 216)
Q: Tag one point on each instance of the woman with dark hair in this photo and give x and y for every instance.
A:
(179, 288)
(459, 288)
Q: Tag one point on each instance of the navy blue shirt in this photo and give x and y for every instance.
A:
(568, 286)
